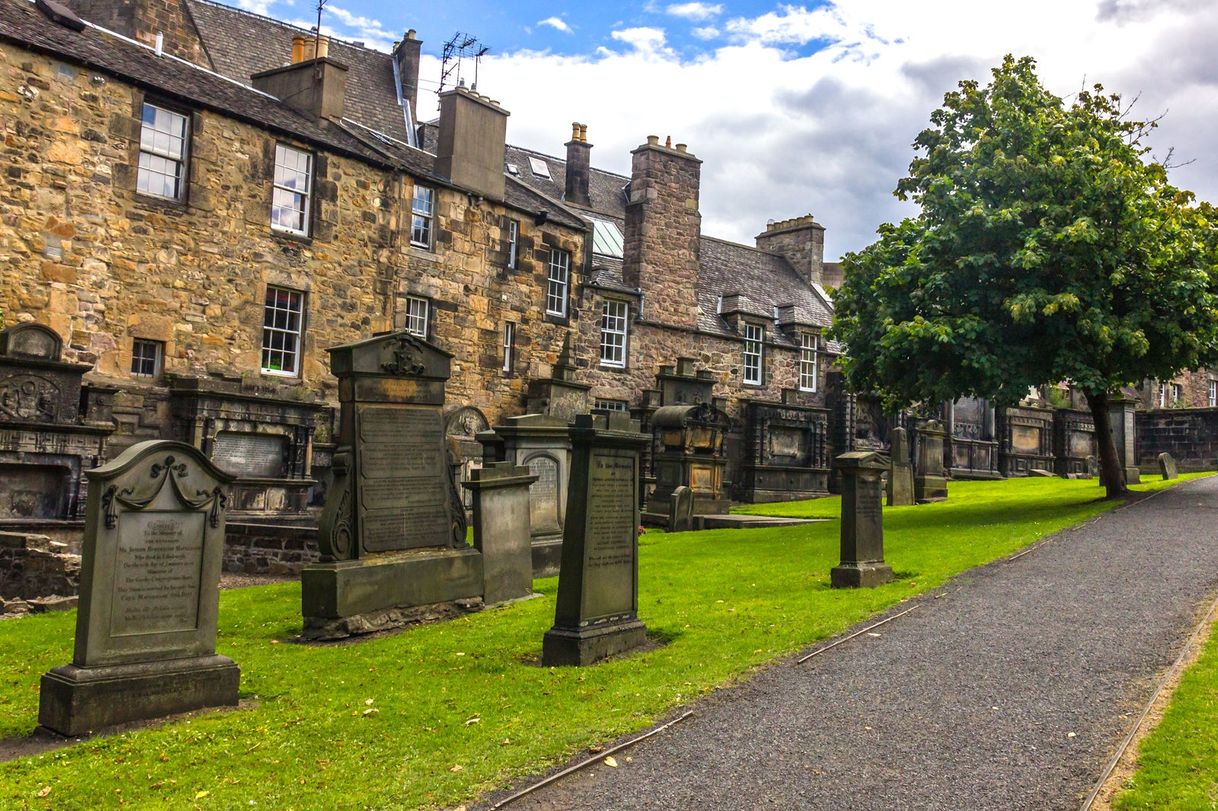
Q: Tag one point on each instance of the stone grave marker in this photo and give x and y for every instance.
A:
(1091, 467)
(930, 477)
(597, 611)
(681, 509)
(900, 487)
(149, 595)
(862, 562)
(501, 529)
(1167, 466)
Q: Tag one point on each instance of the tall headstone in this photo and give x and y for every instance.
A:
(597, 611)
(149, 595)
(930, 477)
(900, 488)
(501, 529)
(1123, 421)
(681, 510)
(393, 532)
(1167, 466)
(862, 561)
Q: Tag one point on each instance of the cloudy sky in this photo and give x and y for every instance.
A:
(799, 108)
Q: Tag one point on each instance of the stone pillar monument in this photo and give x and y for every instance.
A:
(900, 488)
(501, 530)
(862, 561)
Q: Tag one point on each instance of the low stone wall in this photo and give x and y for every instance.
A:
(1190, 435)
(34, 566)
(269, 548)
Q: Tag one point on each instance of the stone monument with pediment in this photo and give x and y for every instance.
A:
(862, 554)
(393, 531)
(149, 595)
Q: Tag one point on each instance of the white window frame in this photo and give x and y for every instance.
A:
(282, 327)
(283, 186)
(162, 148)
(1212, 397)
(619, 406)
(1162, 395)
(558, 283)
(513, 243)
(808, 361)
(422, 216)
(509, 346)
(615, 333)
(1177, 394)
(418, 315)
(138, 358)
(754, 354)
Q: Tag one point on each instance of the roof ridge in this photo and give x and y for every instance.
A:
(282, 23)
(563, 161)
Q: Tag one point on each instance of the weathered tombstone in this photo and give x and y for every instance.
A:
(1040, 473)
(681, 510)
(1167, 466)
(597, 611)
(900, 488)
(501, 530)
(930, 477)
(1090, 467)
(393, 530)
(149, 595)
(862, 562)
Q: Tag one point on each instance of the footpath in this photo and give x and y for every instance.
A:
(1010, 688)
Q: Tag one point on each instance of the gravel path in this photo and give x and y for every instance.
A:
(1010, 690)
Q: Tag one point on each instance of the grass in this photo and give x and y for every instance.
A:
(461, 707)
(1178, 760)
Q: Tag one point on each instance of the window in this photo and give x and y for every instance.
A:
(146, 357)
(509, 346)
(293, 185)
(607, 238)
(1162, 397)
(281, 330)
(754, 336)
(540, 167)
(422, 209)
(513, 242)
(807, 361)
(613, 333)
(1213, 393)
(1177, 394)
(559, 279)
(162, 166)
(610, 405)
(416, 315)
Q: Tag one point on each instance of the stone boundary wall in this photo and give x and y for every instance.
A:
(1188, 434)
(269, 549)
(36, 566)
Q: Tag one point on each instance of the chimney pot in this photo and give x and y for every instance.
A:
(682, 147)
(668, 142)
(583, 132)
(653, 140)
(298, 49)
(410, 34)
(574, 130)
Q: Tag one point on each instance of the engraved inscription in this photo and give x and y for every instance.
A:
(543, 495)
(258, 456)
(610, 540)
(157, 573)
(869, 494)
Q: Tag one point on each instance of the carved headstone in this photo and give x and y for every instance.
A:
(862, 554)
(930, 477)
(900, 488)
(1090, 467)
(501, 530)
(1167, 466)
(149, 595)
(597, 611)
(681, 510)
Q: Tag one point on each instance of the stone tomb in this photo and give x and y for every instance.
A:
(1167, 466)
(690, 454)
(149, 595)
(862, 562)
(501, 529)
(930, 477)
(597, 612)
(900, 487)
(393, 530)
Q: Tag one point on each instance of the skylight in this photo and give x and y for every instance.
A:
(513, 169)
(606, 238)
(539, 167)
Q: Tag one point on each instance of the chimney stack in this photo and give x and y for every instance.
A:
(313, 84)
(473, 132)
(801, 241)
(406, 57)
(579, 166)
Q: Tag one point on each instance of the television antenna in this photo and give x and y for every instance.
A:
(459, 48)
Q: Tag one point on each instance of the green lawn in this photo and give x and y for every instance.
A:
(1178, 761)
(435, 715)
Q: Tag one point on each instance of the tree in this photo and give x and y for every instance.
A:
(1049, 247)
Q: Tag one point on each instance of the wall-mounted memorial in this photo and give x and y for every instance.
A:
(598, 585)
(393, 532)
(149, 595)
(786, 452)
(1025, 436)
(689, 442)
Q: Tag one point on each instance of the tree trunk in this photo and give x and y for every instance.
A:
(1112, 468)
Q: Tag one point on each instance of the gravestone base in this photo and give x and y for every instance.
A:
(860, 575)
(584, 646)
(547, 556)
(347, 589)
(77, 700)
(928, 489)
(317, 629)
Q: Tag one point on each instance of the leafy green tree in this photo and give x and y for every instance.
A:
(1049, 248)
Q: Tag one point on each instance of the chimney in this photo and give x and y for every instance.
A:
(314, 83)
(469, 152)
(579, 165)
(663, 229)
(406, 57)
(142, 20)
(801, 241)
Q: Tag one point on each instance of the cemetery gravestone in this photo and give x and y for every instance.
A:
(501, 529)
(862, 562)
(930, 477)
(900, 488)
(681, 510)
(1167, 466)
(149, 595)
(597, 611)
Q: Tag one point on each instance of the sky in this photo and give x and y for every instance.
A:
(798, 108)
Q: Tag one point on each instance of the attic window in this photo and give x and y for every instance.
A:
(606, 238)
(513, 169)
(540, 167)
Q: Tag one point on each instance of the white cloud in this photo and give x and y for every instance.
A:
(782, 134)
(262, 7)
(695, 11)
(557, 23)
(706, 32)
